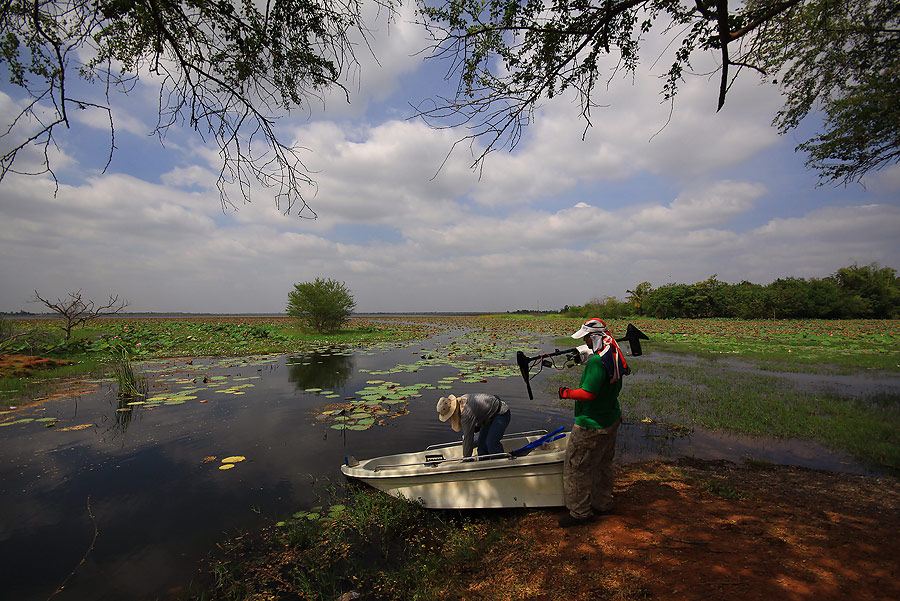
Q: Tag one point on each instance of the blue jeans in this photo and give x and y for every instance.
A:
(489, 436)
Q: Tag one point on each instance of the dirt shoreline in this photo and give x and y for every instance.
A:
(695, 530)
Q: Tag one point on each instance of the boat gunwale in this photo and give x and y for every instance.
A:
(454, 465)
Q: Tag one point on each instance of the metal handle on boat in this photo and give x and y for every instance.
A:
(504, 437)
(452, 460)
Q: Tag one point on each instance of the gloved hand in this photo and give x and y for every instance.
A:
(576, 394)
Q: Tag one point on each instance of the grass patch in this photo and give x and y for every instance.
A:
(723, 489)
(381, 547)
(714, 396)
(803, 344)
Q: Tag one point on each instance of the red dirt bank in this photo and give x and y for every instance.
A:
(792, 534)
(20, 366)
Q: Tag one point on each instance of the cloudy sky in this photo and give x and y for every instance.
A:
(648, 194)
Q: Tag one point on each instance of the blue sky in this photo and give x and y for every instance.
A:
(559, 220)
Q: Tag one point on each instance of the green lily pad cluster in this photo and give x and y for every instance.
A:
(471, 370)
(192, 391)
(372, 405)
(478, 354)
(316, 514)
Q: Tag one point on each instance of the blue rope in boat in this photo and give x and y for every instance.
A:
(555, 435)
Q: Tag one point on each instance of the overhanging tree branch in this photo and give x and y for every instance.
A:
(509, 55)
(226, 68)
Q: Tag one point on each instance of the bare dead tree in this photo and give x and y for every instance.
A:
(77, 311)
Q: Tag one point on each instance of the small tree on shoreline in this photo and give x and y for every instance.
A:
(76, 311)
(324, 304)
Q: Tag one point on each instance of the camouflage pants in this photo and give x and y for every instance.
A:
(588, 469)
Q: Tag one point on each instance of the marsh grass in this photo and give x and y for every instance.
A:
(383, 548)
(716, 397)
(131, 384)
(97, 349)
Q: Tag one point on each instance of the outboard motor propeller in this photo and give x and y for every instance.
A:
(634, 337)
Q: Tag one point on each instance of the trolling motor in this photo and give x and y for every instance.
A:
(575, 356)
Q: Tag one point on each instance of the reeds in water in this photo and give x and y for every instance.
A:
(131, 383)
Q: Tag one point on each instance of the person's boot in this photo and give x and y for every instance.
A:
(569, 520)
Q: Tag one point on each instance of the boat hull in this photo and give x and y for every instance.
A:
(439, 478)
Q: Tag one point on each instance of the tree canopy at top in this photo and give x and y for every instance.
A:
(225, 68)
(228, 68)
(840, 57)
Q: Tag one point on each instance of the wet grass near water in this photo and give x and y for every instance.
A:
(95, 351)
(715, 396)
(358, 540)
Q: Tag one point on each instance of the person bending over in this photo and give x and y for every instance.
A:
(485, 413)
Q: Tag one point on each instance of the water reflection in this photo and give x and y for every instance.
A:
(121, 416)
(329, 370)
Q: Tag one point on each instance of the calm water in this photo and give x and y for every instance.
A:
(150, 476)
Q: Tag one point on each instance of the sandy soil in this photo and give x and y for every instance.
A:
(696, 530)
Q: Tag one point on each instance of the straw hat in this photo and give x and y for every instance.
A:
(449, 408)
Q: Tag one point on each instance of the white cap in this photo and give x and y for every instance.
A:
(592, 326)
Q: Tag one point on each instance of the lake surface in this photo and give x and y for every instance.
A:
(138, 491)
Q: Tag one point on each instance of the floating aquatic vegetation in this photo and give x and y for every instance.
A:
(316, 513)
(360, 414)
(74, 428)
(229, 462)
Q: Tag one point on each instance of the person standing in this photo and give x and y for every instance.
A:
(588, 472)
(486, 413)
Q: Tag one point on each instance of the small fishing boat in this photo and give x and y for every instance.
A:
(527, 474)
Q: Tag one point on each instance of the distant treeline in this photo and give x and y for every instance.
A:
(854, 292)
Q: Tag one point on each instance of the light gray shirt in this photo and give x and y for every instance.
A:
(480, 409)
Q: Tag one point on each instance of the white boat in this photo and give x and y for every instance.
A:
(527, 474)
